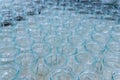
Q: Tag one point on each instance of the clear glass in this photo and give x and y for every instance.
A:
(63, 74)
(116, 75)
(41, 49)
(6, 13)
(18, 10)
(101, 38)
(67, 49)
(84, 61)
(27, 76)
(113, 46)
(6, 35)
(107, 52)
(59, 39)
(63, 32)
(108, 1)
(8, 48)
(22, 36)
(89, 75)
(116, 33)
(103, 27)
(24, 43)
(40, 69)
(45, 12)
(29, 7)
(21, 30)
(53, 40)
(116, 36)
(38, 5)
(116, 28)
(55, 60)
(25, 59)
(107, 72)
(9, 71)
(8, 54)
(85, 58)
(94, 47)
(112, 61)
(37, 35)
(75, 39)
(37, 29)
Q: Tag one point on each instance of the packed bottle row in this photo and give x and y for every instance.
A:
(53, 41)
(17, 10)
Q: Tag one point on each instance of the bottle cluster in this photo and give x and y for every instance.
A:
(56, 40)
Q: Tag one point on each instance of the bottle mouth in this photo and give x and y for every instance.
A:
(108, 1)
(11, 69)
(63, 73)
(19, 18)
(6, 23)
(116, 76)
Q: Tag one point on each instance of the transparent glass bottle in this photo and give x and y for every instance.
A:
(25, 59)
(6, 13)
(116, 75)
(94, 47)
(40, 69)
(41, 49)
(9, 71)
(115, 33)
(63, 74)
(89, 75)
(84, 61)
(55, 60)
(18, 10)
(111, 60)
(67, 49)
(113, 46)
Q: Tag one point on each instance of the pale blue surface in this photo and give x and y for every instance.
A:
(48, 41)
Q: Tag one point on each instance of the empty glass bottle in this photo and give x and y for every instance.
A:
(63, 74)
(9, 71)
